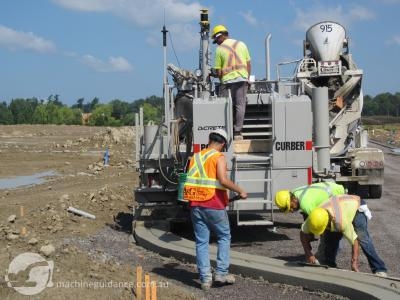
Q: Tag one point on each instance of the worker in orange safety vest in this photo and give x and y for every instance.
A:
(206, 188)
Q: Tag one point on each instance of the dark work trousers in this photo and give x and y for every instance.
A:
(239, 99)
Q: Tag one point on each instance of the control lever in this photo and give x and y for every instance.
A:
(234, 198)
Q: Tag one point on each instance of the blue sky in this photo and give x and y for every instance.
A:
(111, 49)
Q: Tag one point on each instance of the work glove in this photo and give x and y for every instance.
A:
(364, 209)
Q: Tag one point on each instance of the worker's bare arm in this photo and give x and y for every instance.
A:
(225, 181)
(355, 252)
(306, 242)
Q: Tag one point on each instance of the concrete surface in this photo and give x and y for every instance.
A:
(157, 238)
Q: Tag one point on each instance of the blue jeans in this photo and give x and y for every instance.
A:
(360, 224)
(205, 220)
(329, 245)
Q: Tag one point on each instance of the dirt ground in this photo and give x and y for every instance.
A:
(93, 258)
(387, 137)
(86, 252)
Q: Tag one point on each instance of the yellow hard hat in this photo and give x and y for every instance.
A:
(318, 220)
(282, 200)
(218, 29)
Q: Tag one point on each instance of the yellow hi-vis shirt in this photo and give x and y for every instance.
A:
(343, 208)
(231, 58)
(312, 196)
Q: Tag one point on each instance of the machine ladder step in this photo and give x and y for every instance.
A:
(240, 207)
(252, 147)
(251, 158)
(257, 126)
(246, 134)
(257, 123)
(255, 223)
(240, 203)
(258, 118)
(253, 171)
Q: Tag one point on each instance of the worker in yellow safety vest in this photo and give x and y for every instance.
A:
(344, 215)
(233, 67)
(206, 188)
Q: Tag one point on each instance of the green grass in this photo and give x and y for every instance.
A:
(380, 120)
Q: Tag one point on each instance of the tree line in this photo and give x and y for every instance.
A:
(119, 113)
(385, 104)
(53, 111)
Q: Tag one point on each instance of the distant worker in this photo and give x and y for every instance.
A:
(206, 188)
(106, 158)
(307, 197)
(344, 215)
(233, 67)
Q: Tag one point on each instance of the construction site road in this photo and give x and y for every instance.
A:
(45, 169)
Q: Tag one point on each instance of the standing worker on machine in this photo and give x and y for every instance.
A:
(206, 188)
(344, 215)
(233, 67)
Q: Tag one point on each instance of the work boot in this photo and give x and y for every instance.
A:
(381, 274)
(237, 136)
(206, 285)
(224, 279)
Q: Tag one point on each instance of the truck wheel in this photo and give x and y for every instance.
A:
(363, 191)
(375, 191)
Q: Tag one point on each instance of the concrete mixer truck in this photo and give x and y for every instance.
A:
(297, 130)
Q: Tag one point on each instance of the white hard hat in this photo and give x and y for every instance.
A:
(221, 132)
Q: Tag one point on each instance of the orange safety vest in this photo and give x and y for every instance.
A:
(234, 62)
(201, 180)
(333, 205)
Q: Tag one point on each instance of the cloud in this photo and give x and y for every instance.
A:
(179, 16)
(114, 64)
(249, 17)
(15, 40)
(183, 36)
(388, 2)
(359, 13)
(144, 13)
(319, 12)
(70, 54)
(86, 5)
(395, 40)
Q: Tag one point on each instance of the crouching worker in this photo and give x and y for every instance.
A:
(206, 188)
(306, 198)
(345, 215)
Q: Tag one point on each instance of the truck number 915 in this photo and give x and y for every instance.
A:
(326, 27)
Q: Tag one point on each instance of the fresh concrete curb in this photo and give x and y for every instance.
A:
(156, 237)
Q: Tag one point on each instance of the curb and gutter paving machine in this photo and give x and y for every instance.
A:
(297, 130)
